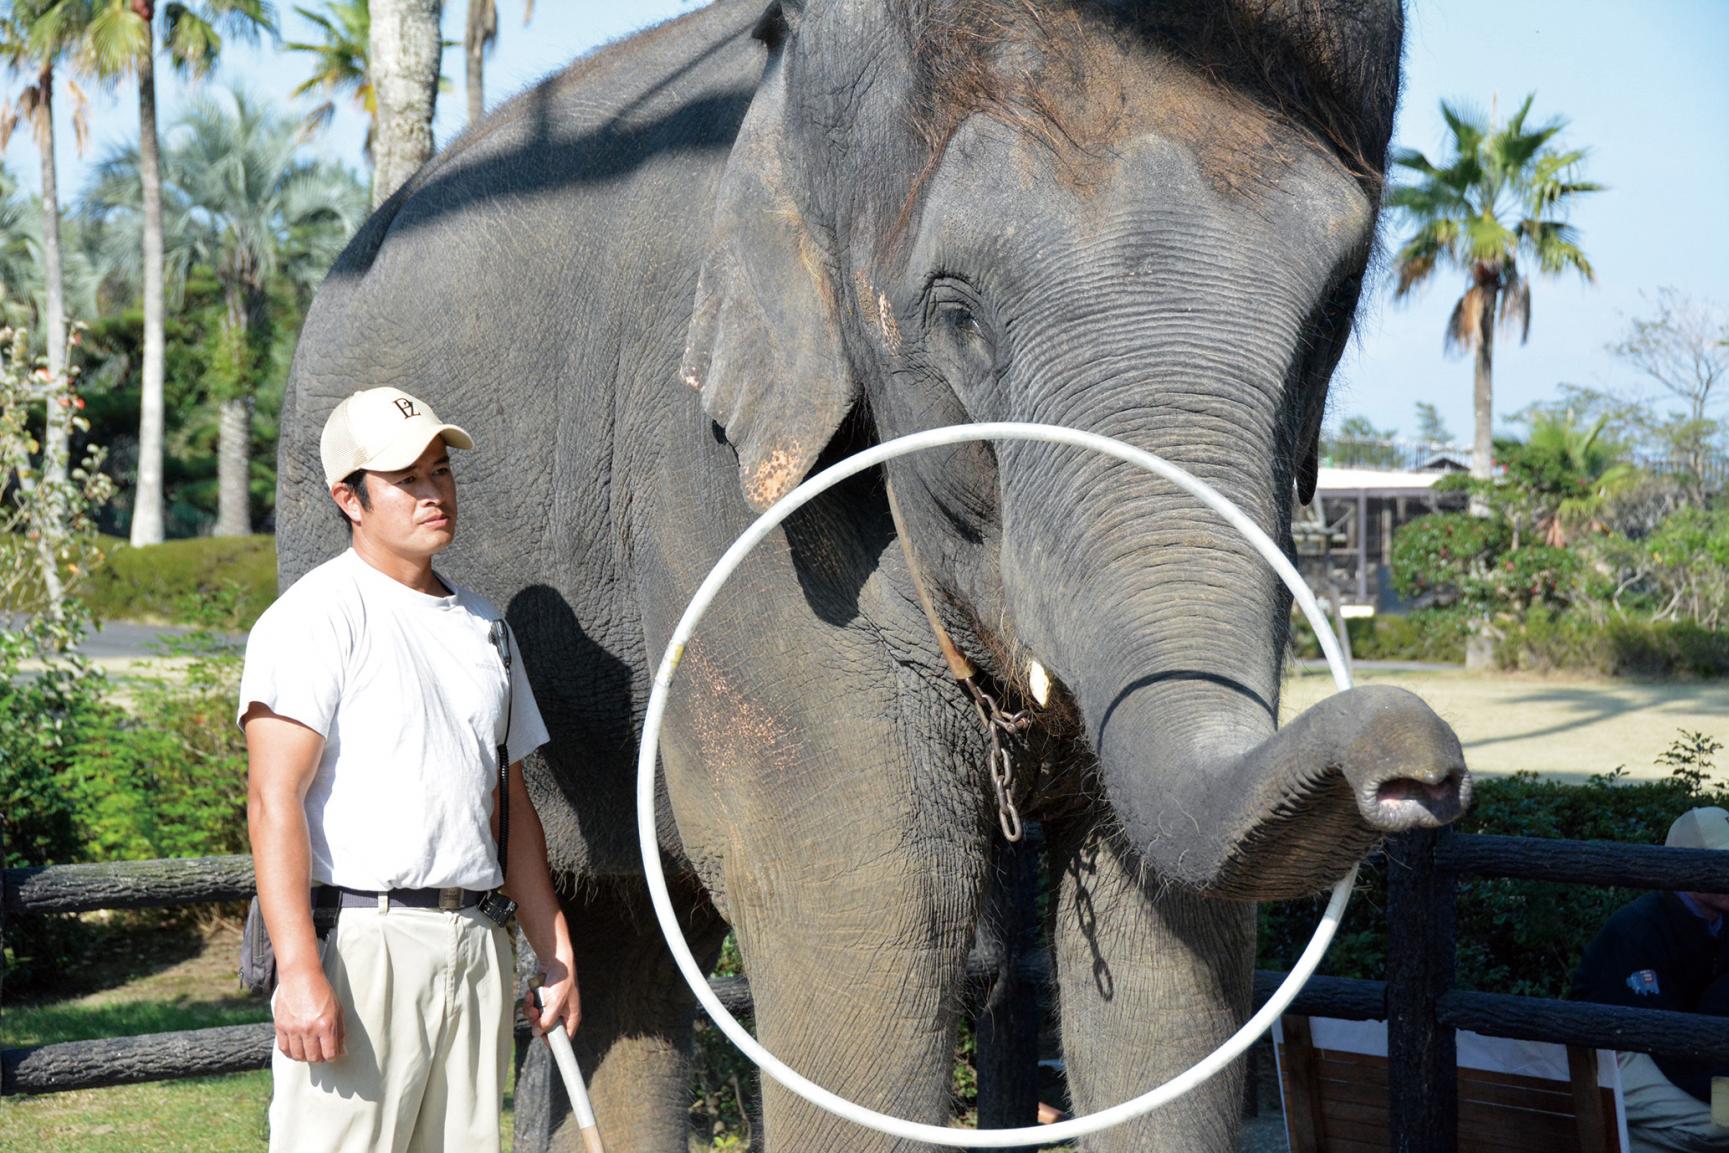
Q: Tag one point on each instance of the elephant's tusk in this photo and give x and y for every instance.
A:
(1040, 682)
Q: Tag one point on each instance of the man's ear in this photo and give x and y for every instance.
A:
(765, 348)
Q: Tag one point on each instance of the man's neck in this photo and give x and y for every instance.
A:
(1713, 920)
(413, 571)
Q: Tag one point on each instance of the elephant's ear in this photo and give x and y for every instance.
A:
(1309, 455)
(765, 348)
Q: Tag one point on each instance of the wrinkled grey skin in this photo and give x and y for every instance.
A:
(658, 287)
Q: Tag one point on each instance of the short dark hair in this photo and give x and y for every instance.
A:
(355, 480)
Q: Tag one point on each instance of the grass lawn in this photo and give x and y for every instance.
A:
(1565, 727)
(200, 1115)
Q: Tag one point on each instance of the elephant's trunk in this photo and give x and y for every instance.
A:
(1270, 815)
(1168, 637)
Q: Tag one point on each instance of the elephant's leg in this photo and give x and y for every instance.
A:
(634, 1041)
(855, 978)
(1150, 981)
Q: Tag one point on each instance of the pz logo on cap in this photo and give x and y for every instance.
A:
(405, 404)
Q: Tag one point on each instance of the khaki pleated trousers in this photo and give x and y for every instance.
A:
(426, 999)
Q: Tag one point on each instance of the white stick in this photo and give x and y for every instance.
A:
(565, 1058)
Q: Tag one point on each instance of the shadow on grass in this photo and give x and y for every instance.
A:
(56, 956)
(47, 1024)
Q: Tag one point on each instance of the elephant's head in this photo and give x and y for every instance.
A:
(1150, 220)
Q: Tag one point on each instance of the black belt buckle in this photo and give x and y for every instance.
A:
(497, 907)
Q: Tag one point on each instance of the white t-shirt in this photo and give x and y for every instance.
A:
(408, 691)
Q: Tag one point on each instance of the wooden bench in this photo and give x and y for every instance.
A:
(1514, 1096)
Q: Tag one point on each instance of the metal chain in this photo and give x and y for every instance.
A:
(998, 724)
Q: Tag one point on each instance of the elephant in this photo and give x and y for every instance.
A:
(666, 284)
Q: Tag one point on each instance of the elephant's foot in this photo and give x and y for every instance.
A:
(634, 1041)
(1150, 982)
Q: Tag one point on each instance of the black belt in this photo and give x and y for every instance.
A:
(337, 897)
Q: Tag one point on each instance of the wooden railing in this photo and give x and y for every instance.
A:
(1009, 971)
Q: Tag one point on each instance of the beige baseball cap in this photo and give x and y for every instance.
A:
(1706, 828)
(381, 429)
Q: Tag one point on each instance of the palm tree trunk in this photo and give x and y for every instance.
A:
(1483, 399)
(404, 48)
(234, 429)
(54, 323)
(474, 48)
(147, 497)
(1480, 644)
(233, 467)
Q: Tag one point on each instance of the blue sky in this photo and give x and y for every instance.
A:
(1643, 86)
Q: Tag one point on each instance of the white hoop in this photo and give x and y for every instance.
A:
(645, 809)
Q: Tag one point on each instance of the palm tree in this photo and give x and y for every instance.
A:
(239, 198)
(477, 42)
(119, 38)
(403, 52)
(339, 62)
(1501, 196)
(34, 52)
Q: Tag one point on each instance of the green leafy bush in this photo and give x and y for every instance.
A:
(1448, 556)
(53, 704)
(1473, 562)
(83, 778)
(1547, 641)
(1431, 635)
(1522, 937)
(177, 580)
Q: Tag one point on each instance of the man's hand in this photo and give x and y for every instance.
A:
(559, 998)
(308, 1018)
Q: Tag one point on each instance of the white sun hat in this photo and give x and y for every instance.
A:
(381, 430)
(1706, 828)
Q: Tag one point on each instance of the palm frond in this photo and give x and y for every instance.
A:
(192, 41)
(80, 117)
(114, 40)
(1420, 254)
(1516, 303)
(1465, 325)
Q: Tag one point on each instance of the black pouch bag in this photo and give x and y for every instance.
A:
(257, 958)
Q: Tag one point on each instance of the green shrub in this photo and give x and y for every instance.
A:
(168, 777)
(84, 779)
(1430, 635)
(177, 580)
(1667, 648)
(1547, 641)
(51, 713)
(1522, 937)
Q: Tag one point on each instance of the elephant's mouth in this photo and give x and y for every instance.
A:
(1416, 801)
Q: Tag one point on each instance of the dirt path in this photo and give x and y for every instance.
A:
(1564, 727)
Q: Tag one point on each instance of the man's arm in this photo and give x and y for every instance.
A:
(538, 911)
(282, 757)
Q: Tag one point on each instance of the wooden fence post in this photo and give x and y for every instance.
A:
(1422, 1056)
(2, 911)
(1007, 1026)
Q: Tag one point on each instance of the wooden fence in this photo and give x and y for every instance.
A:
(1009, 972)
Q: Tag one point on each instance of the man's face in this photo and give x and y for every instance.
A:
(1717, 903)
(413, 511)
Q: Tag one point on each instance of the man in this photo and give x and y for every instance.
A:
(373, 701)
(1667, 951)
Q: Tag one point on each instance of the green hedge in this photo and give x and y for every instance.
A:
(1522, 937)
(1545, 641)
(1435, 635)
(230, 579)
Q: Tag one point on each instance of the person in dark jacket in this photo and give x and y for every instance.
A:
(1667, 951)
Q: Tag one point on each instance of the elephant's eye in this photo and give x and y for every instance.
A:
(961, 320)
(960, 341)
